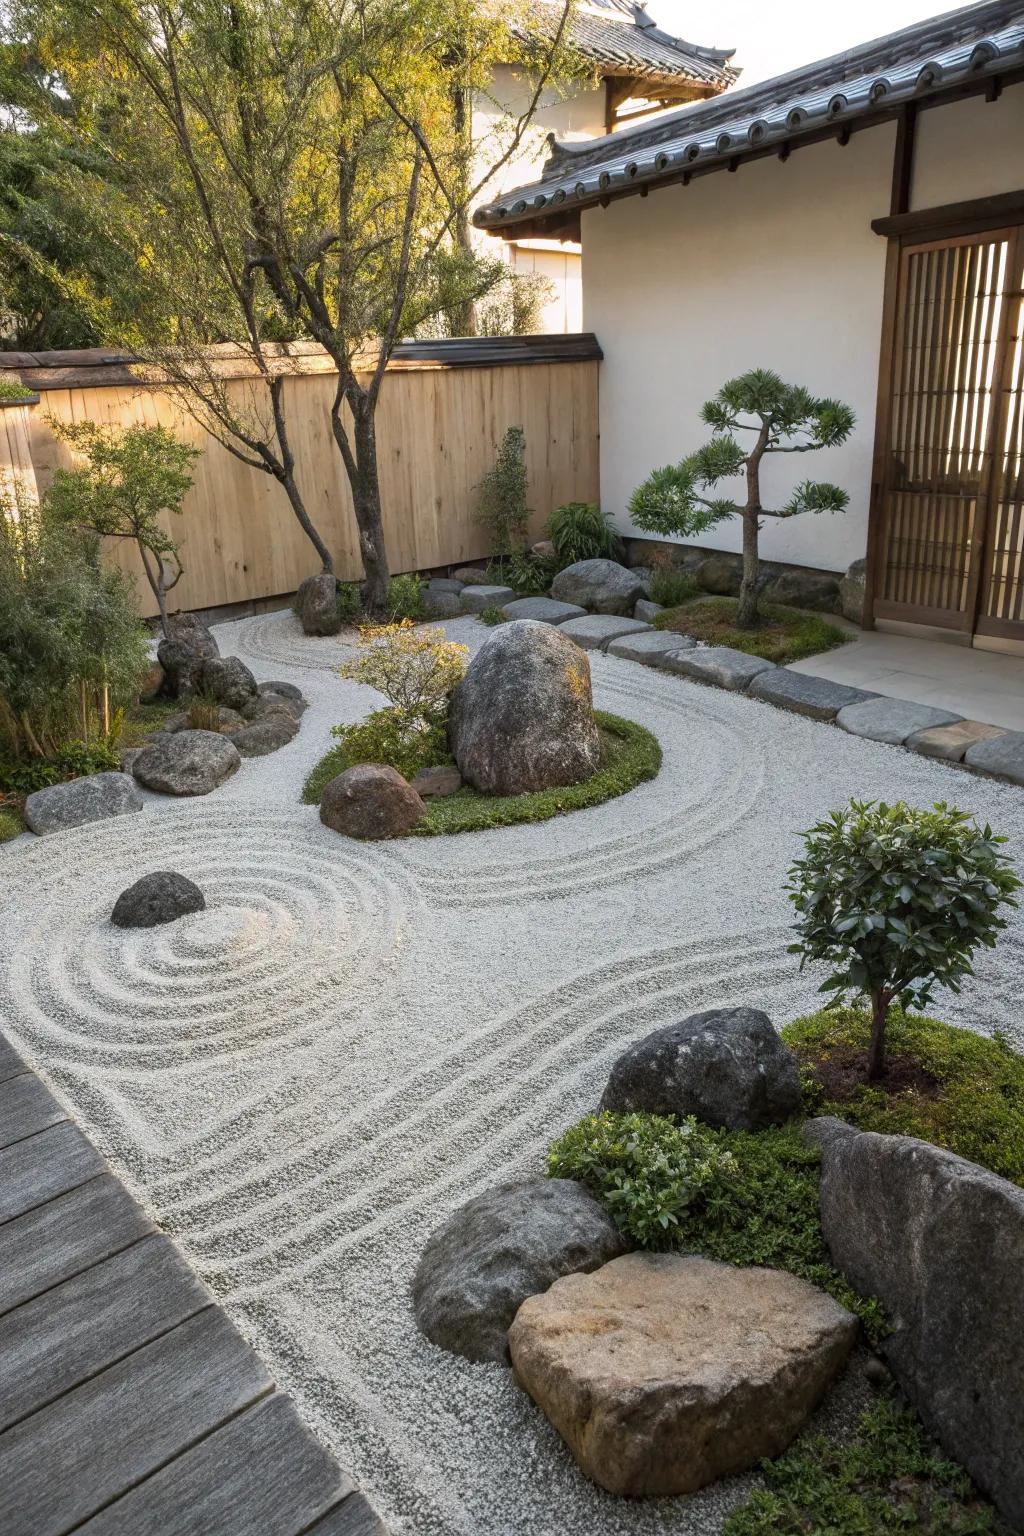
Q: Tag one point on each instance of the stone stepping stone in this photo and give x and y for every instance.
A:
(718, 665)
(950, 742)
(817, 697)
(646, 610)
(95, 797)
(546, 610)
(892, 720)
(663, 1373)
(476, 599)
(649, 648)
(594, 630)
(1001, 756)
(444, 584)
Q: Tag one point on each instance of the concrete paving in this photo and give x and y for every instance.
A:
(981, 685)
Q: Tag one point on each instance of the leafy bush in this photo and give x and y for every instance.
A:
(956, 1089)
(581, 531)
(528, 575)
(748, 1198)
(415, 669)
(896, 900)
(74, 760)
(350, 602)
(492, 616)
(887, 1477)
(11, 824)
(670, 586)
(503, 491)
(405, 599)
(385, 736)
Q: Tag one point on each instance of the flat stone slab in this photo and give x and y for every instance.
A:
(476, 599)
(595, 630)
(892, 720)
(1002, 756)
(646, 610)
(546, 610)
(648, 648)
(804, 694)
(718, 665)
(951, 741)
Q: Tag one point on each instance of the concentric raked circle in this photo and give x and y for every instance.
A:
(278, 638)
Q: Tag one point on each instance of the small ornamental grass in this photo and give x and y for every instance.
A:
(896, 900)
(581, 531)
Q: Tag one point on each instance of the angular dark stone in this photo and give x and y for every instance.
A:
(798, 588)
(940, 1243)
(1001, 756)
(437, 783)
(160, 897)
(594, 631)
(317, 604)
(507, 1244)
(718, 665)
(544, 609)
(228, 680)
(721, 574)
(182, 655)
(852, 591)
(370, 801)
(727, 1066)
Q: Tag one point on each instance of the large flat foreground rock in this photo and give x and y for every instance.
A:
(93, 798)
(892, 720)
(940, 1242)
(663, 1373)
(803, 693)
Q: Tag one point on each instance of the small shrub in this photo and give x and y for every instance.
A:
(492, 616)
(951, 1087)
(528, 575)
(204, 712)
(503, 491)
(385, 736)
(350, 602)
(896, 900)
(74, 760)
(886, 1477)
(405, 599)
(415, 669)
(670, 586)
(14, 392)
(581, 531)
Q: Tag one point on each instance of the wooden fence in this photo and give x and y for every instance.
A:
(443, 409)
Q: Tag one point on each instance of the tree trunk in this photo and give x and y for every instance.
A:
(879, 1015)
(298, 506)
(365, 484)
(156, 582)
(747, 611)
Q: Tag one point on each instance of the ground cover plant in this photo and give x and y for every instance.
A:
(896, 901)
(11, 824)
(887, 1476)
(629, 756)
(948, 1086)
(782, 634)
(742, 1197)
(783, 418)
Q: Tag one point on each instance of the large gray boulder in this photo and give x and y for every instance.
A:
(265, 736)
(228, 680)
(160, 897)
(182, 652)
(940, 1243)
(602, 586)
(370, 801)
(93, 798)
(523, 718)
(663, 1372)
(509, 1243)
(187, 763)
(726, 1066)
(317, 604)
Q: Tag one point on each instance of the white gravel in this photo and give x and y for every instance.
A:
(302, 1082)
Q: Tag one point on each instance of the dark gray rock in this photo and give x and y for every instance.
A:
(470, 575)
(1001, 756)
(940, 1243)
(523, 718)
(602, 586)
(228, 680)
(799, 588)
(444, 584)
(594, 631)
(161, 897)
(442, 604)
(726, 1066)
(805, 694)
(720, 573)
(509, 1243)
(370, 801)
(263, 736)
(852, 592)
(545, 609)
(182, 653)
(317, 605)
(880, 718)
(265, 705)
(647, 611)
(474, 599)
(188, 763)
(648, 646)
(95, 797)
(718, 665)
(282, 690)
(437, 783)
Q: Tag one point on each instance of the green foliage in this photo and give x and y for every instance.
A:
(385, 736)
(887, 1477)
(750, 1199)
(782, 634)
(527, 574)
(491, 617)
(896, 900)
(581, 531)
(670, 586)
(514, 304)
(629, 756)
(11, 824)
(350, 601)
(502, 507)
(73, 760)
(12, 392)
(648, 1170)
(405, 598)
(968, 1095)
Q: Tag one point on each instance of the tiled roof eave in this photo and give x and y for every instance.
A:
(724, 141)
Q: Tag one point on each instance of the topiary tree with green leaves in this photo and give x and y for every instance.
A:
(131, 478)
(784, 418)
(897, 900)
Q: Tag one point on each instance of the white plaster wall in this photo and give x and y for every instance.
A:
(562, 268)
(971, 148)
(774, 266)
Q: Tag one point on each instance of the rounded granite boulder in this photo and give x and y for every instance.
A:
(370, 801)
(187, 763)
(95, 797)
(160, 897)
(228, 680)
(602, 586)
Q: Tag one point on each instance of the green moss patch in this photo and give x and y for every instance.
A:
(945, 1085)
(784, 634)
(629, 756)
(11, 824)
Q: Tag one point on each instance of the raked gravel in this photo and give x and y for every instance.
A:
(302, 1081)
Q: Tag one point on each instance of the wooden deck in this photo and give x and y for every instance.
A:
(129, 1404)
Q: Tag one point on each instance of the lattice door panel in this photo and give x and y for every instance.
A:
(1002, 599)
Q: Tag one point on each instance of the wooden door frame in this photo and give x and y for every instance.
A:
(922, 229)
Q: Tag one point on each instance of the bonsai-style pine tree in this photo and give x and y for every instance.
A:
(784, 418)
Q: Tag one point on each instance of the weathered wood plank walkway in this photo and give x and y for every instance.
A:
(129, 1404)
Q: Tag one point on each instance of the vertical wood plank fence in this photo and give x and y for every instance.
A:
(443, 410)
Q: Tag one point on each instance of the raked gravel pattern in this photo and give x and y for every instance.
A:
(302, 1081)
